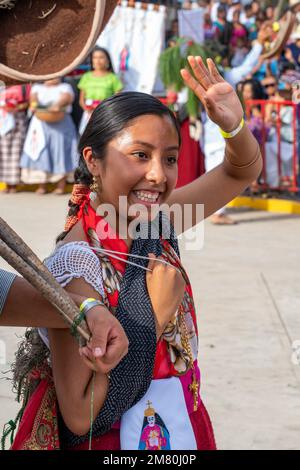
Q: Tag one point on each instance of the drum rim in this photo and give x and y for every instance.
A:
(99, 12)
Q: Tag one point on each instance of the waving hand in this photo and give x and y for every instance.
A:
(217, 96)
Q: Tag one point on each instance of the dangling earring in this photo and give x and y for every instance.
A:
(94, 190)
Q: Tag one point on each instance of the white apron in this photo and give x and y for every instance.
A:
(160, 420)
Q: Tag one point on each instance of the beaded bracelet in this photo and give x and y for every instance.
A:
(76, 322)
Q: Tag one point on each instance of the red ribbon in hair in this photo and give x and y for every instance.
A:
(79, 196)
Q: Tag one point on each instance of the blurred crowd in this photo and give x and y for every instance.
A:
(238, 32)
(40, 125)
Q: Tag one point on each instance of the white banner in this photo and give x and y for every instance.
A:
(135, 38)
(191, 24)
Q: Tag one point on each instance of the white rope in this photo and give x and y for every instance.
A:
(114, 253)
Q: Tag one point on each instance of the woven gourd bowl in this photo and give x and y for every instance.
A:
(41, 40)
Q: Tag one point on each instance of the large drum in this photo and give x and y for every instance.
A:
(281, 34)
(46, 39)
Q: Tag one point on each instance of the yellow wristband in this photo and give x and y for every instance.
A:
(90, 303)
(230, 135)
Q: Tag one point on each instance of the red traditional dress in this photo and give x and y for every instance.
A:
(38, 428)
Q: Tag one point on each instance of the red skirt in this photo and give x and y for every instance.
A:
(38, 429)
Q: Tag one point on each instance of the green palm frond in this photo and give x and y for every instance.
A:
(170, 64)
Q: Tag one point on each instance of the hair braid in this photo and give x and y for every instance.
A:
(80, 192)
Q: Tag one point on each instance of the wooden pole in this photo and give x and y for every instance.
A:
(15, 251)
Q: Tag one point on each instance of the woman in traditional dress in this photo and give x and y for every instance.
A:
(98, 84)
(13, 124)
(130, 148)
(50, 149)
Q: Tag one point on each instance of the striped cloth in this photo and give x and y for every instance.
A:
(11, 146)
(6, 280)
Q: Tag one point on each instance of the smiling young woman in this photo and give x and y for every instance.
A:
(130, 149)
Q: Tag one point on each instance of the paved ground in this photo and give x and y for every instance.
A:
(246, 285)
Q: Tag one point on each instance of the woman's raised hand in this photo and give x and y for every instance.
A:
(166, 288)
(217, 96)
